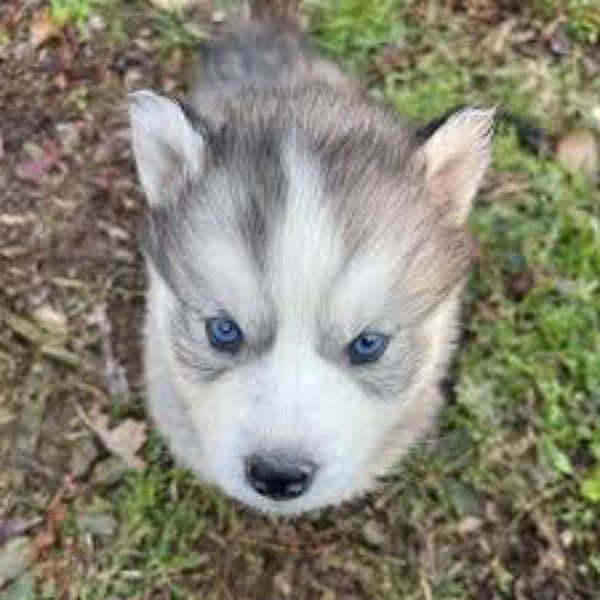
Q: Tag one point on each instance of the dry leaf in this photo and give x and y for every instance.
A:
(6, 417)
(10, 528)
(123, 441)
(468, 524)
(595, 115)
(50, 319)
(16, 220)
(374, 533)
(499, 38)
(42, 29)
(44, 158)
(578, 151)
(15, 557)
(173, 5)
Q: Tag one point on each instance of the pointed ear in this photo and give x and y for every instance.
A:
(457, 155)
(166, 147)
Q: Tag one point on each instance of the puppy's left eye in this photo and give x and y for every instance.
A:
(224, 334)
(367, 347)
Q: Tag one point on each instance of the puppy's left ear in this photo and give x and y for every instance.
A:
(457, 154)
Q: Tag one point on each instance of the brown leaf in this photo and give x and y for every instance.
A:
(173, 5)
(6, 417)
(129, 436)
(55, 514)
(468, 525)
(499, 38)
(17, 220)
(61, 81)
(519, 285)
(15, 527)
(374, 533)
(50, 319)
(487, 310)
(42, 29)
(392, 58)
(123, 441)
(578, 151)
(44, 540)
(15, 557)
(557, 38)
(45, 157)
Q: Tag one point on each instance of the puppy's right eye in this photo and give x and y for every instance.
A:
(224, 334)
(367, 347)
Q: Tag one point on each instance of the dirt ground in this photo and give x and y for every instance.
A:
(69, 208)
(71, 279)
(71, 304)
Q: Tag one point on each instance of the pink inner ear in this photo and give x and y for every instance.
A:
(457, 156)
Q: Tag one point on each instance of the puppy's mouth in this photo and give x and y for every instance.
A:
(286, 508)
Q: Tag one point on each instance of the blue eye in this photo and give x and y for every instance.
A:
(367, 347)
(224, 334)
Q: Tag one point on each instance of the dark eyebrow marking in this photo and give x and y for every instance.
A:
(202, 363)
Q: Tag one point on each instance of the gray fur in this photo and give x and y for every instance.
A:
(258, 55)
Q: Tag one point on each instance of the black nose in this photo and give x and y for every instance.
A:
(279, 478)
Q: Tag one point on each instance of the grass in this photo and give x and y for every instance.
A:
(581, 16)
(76, 13)
(71, 11)
(346, 29)
(173, 30)
(512, 487)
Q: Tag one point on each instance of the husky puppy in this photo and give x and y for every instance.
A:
(305, 250)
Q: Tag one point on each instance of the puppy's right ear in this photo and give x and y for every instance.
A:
(168, 150)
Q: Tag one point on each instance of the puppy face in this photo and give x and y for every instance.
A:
(304, 275)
